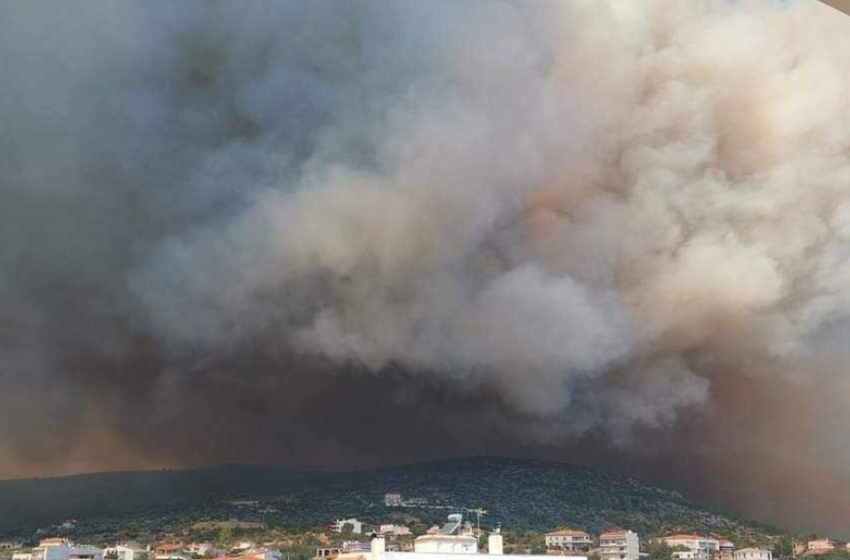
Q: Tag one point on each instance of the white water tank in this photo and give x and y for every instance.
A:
(494, 544)
(379, 548)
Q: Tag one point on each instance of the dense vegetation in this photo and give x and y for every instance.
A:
(525, 496)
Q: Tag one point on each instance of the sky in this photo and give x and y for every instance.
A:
(341, 236)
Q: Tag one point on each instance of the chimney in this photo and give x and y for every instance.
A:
(379, 547)
(494, 544)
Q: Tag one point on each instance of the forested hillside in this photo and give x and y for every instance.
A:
(519, 494)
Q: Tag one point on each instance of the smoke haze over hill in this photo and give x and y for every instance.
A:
(335, 235)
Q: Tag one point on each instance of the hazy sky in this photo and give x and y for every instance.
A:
(339, 235)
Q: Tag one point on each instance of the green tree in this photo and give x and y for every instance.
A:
(225, 537)
(656, 550)
(537, 543)
(783, 548)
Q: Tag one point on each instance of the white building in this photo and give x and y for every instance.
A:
(354, 546)
(356, 526)
(446, 544)
(263, 554)
(130, 551)
(50, 549)
(688, 555)
(698, 548)
(22, 556)
(11, 545)
(619, 545)
(753, 554)
(820, 545)
(392, 529)
(201, 548)
(460, 551)
(392, 500)
(569, 539)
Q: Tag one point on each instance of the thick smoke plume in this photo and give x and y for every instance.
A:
(333, 235)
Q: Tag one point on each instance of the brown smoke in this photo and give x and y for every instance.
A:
(593, 230)
(843, 5)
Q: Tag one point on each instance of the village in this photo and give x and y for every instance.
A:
(352, 539)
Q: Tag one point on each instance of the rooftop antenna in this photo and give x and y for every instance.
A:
(478, 513)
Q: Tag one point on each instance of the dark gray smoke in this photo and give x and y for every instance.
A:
(336, 235)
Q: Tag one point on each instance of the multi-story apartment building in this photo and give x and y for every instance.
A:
(698, 548)
(62, 549)
(619, 545)
(753, 554)
(355, 525)
(569, 540)
(727, 550)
